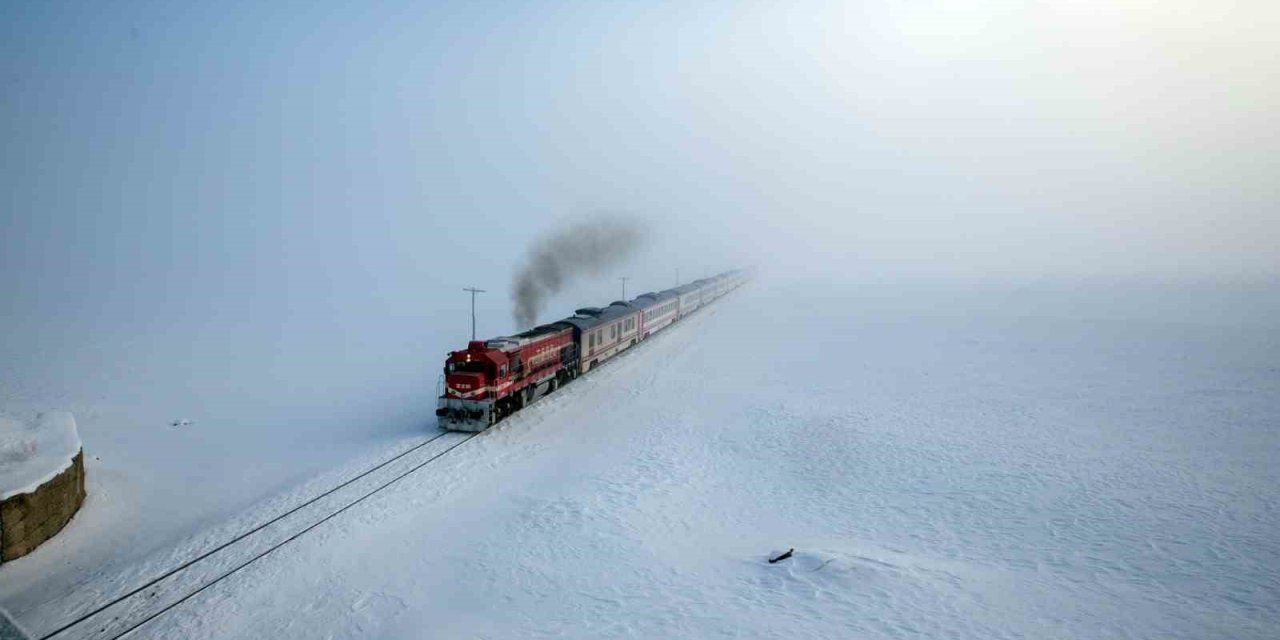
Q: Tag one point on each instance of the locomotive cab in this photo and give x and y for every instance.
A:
(472, 379)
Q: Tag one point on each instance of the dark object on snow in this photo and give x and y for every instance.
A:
(783, 556)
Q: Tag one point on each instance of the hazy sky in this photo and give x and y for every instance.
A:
(299, 166)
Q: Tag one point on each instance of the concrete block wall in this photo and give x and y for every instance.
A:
(28, 519)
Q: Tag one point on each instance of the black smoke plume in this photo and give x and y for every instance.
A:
(583, 248)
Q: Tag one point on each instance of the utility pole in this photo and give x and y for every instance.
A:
(473, 291)
(624, 287)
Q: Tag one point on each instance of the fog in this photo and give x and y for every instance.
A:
(273, 208)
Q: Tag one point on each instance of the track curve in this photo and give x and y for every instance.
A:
(126, 613)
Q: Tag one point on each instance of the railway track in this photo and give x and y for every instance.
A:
(126, 613)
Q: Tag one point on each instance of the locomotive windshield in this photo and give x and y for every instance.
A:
(465, 367)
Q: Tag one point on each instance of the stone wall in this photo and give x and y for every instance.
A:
(28, 519)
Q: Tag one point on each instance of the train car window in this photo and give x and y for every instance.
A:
(502, 371)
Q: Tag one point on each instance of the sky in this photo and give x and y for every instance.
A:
(309, 185)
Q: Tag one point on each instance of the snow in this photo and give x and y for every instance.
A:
(971, 470)
(33, 452)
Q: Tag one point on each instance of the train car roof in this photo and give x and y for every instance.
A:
(583, 323)
(646, 300)
(617, 310)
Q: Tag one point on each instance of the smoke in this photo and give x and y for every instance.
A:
(585, 247)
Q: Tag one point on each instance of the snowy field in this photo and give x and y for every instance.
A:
(980, 466)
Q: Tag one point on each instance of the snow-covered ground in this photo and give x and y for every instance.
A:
(996, 466)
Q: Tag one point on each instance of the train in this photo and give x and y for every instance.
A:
(493, 379)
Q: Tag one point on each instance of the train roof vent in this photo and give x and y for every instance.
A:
(589, 311)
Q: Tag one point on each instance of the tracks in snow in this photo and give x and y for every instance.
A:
(136, 608)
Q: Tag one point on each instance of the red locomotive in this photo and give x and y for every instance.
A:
(490, 380)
